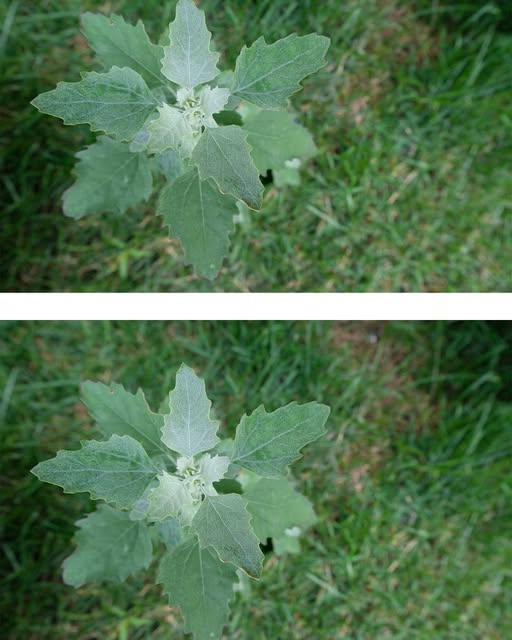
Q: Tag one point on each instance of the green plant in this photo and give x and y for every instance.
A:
(168, 110)
(168, 479)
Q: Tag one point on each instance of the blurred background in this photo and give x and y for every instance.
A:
(412, 484)
(411, 190)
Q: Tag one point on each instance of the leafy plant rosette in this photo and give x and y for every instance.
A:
(169, 110)
(168, 480)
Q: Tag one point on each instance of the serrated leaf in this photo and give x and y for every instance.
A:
(188, 60)
(117, 471)
(201, 218)
(124, 45)
(267, 443)
(117, 102)
(200, 585)
(110, 546)
(212, 469)
(223, 523)
(169, 499)
(224, 155)
(171, 130)
(212, 100)
(188, 428)
(275, 137)
(275, 506)
(268, 74)
(120, 412)
(109, 178)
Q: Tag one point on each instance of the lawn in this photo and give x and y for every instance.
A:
(412, 484)
(411, 189)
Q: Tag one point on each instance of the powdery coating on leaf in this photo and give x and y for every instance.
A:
(275, 507)
(188, 60)
(268, 74)
(276, 138)
(200, 585)
(212, 100)
(117, 102)
(171, 131)
(110, 546)
(120, 412)
(188, 429)
(212, 469)
(170, 499)
(224, 155)
(201, 218)
(117, 471)
(124, 45)
(267, 443)
(223, 523)
(109, 178)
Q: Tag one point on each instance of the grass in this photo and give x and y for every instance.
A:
(410, 190)
(412, 484)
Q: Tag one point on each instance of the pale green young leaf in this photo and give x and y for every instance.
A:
(267, 443)
(275, 506)
(120, 412)
(171, 131)
(212, 469)
(212, 100)
(201, 218)
(188, 428)
(170, 499)
(117, 470)
(289, 542)
(223, 523)
(224, 155)
(287, 176)
(110, 546)
(109, 178)
(275, 137)
(188, 60)
(268, 74)
(201, 585)
(124, 45)
(117, 102)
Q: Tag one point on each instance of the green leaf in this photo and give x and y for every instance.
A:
(275, 137)
(109, 178)
(287, 543)
(170, 499)
(200, 585)
(275, 506)
(120, 412)
(171, 130)
(212, 101)
(117, 471)
(267, 443)
(169, 532)
(287, 176)
(188, 428)
(223, 523)
(268, 74)
(188, 60)
(110, 546)
(224, 155)
(124, 45)
(212, 469)
(201, 217)
(117, 102)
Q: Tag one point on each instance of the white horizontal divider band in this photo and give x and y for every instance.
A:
(255, 306)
